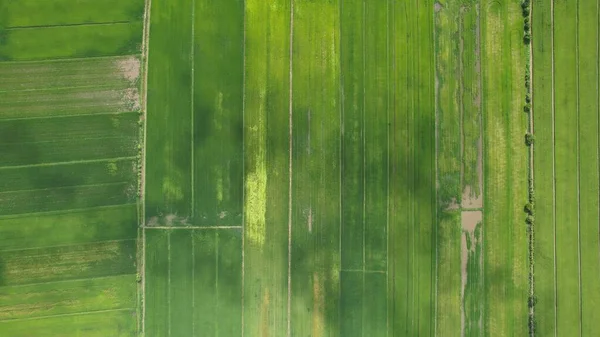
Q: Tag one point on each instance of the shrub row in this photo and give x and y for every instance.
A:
(529, 207)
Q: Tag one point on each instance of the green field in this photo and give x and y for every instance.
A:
(69, 133)
(566, 167)
(178, 168)
(27, 13)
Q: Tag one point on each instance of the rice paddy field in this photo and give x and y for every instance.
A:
(69, 135)
(178, 168)
(565, 89)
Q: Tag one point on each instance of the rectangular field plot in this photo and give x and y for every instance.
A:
(567, 262)
(218, 112)
(114, 323)
(68, 174)
(47, 140)
(24, 13)
(315, 250)
(37, 265)
(67, 101)
(58, 298)
(23, 44)
(65, 198)
(107, 72)
(57, 229)
(169, 125)
(193, 282)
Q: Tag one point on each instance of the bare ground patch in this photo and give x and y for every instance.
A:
(129, 68)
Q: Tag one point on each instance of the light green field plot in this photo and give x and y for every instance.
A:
(566, 167)
(59, 298)
(24, 44)
(193, 282)
(105, 72)
(505, 169)
(543, 88)
(38, 265)
(589, 183)
(85, 226)
(117, 323)
(25, 13)
(267, 167)
(169, 124)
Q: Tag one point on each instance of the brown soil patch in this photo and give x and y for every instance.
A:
(310, 220)
(437, 6)
(131, 97)
(169, 220)
(129, 68)
(470, 219)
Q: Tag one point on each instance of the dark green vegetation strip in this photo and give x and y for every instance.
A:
(35, 141)
(316, 169)
(68, 174)
(156, 296)
(543, 72)
(412, 194)
(505, 169)
(117, 323)
(566, 168)
(65, 198)
(352, 69)
(218, 112)
(169, 127)
(71, 41)
(449, 301)
(588, 67)
(46, 299)
(84, 226)
(364, 71)
(25, 13)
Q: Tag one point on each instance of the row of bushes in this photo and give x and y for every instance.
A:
(529, 208)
